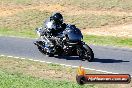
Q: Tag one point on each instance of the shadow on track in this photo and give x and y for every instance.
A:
(68, 57)
(108, 60)
(95, 59)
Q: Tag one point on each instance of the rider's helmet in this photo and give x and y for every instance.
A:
(57, 17)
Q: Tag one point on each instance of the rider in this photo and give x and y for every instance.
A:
(54, 25)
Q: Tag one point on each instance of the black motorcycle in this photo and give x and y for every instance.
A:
(68, 43)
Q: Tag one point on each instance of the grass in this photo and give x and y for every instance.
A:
(24, 23)
(22, 33)
(30, 19)
(97, 21)
(16, 73)
(17, 1)
(89, 39)
(102, 4)
(94, 4)
(21, 81)
(108, 40)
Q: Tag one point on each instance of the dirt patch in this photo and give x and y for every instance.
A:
(68, 10)
(8, 10)
(78, 11)
(118, 31)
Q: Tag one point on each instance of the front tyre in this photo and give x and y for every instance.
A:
(87, 53)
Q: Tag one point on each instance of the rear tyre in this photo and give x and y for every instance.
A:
(39, 47)
(41, 50)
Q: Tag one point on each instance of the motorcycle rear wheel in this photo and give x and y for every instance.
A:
(45, 53)
(41, 50)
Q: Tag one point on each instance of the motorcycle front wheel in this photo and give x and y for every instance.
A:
(86, 53)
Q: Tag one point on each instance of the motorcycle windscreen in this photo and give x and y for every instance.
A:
(74, 34)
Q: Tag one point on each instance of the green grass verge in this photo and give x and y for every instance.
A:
(89, 39)
(22, 33)
(8, 80)
(16, 73)
(108, 40)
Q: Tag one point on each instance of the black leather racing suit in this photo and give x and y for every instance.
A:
(52, 29)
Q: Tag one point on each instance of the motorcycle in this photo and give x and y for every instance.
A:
(68, 43)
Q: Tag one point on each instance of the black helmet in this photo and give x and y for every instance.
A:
(57, 17)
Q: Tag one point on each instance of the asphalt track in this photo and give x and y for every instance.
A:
(111, 59)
